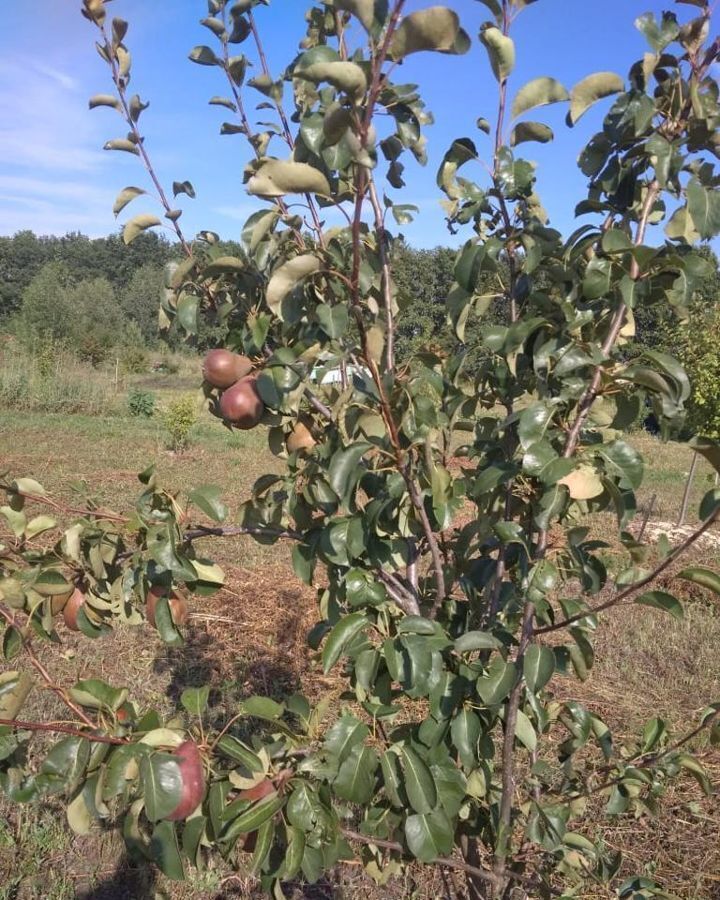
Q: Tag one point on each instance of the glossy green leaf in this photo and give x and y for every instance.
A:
(195, 699)
(436, 28)
(162, 784)
(278, 177)
(429, 836)
(500, 679)
(137, 225)
(538, 666)
(538, 92)
(419, 783)
(501, 52)
(207, 498)
(355, 780)
(165, 851)
(662, 600)
(703, 577)
(339, 638)
(590, 90)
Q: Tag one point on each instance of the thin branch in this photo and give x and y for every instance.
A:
(591, 392)
(43, 672)
(203, 531)
(679, 550)
(121, 87)
(405, 599)
(57, 728)
(386, 279)
(508, 752)
(63, 508)
(287, 133)
(482, 874)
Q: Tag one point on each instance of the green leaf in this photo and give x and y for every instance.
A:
(533, 423)
(203, 56)
(344, 735)
(436, 28)
(195, 699)
(104, 100)
(162, 784)
(345, 76)
(125, 196)
(122, 144)
(703, 577)
(187, 310)
(704, 208)
(207, 498)
(658, 35)
(165, 852)
(662, 600)
(526, 132)
(95, 694)
(538, 666)
(252, 818)
(419, 783)
(340, 637)
(538, 92)
(234, 749)
(137, 225)
(334, 320)
(465, 732)
(262, 707)
(184, 187)
(286, 278)
(343, 471)
(590, 90)
(500, 679)
(12, 643)
(355, 780)
(708, 448)
(277, 177)
(78, 815)
(263, 845)
(525, 732)
(429, 836)
(476, 640)
(14, 688)
(364, 10)
(501, 51)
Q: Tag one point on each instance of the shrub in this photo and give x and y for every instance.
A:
(179, 419)
(141, 404)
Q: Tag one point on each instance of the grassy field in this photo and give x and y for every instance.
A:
(250, 637)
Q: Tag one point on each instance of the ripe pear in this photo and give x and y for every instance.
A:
(222, 368)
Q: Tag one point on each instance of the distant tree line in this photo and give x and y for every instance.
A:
(95, 294)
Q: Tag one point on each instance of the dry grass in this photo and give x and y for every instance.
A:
(250, 637)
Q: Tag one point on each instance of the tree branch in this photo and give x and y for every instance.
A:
(58, 728)
(121, 87)
(591, 392)
(634, 588)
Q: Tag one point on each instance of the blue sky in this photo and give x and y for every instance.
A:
(55, 177)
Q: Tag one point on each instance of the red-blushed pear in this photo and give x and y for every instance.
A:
(178, 606)
(241, 405)
(72, 608)
(193, 780)
(222, 368)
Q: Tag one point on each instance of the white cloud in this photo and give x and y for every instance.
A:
(45, 122)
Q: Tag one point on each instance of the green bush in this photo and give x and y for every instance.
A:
(179, 419)
(141, 404)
